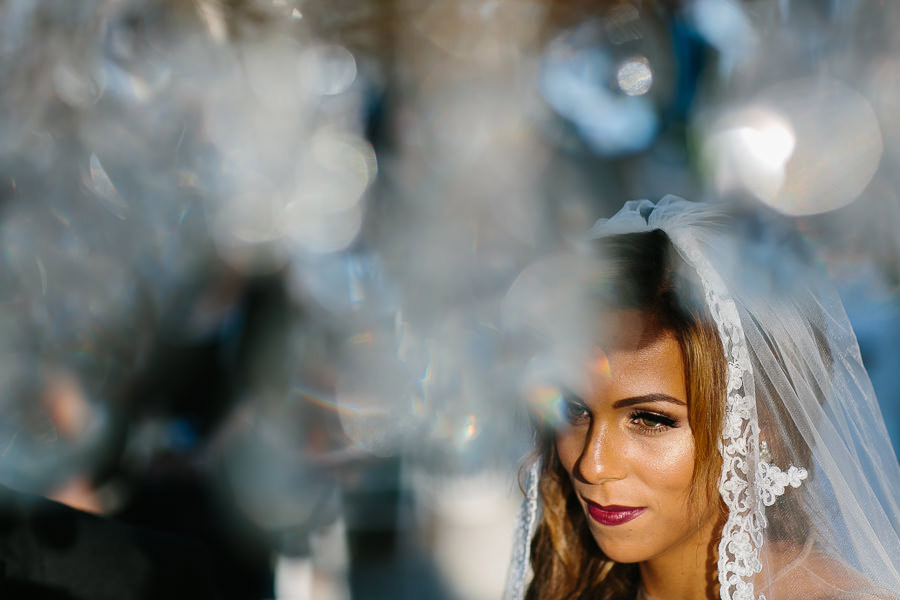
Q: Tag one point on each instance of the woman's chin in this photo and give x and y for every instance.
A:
(621, 553)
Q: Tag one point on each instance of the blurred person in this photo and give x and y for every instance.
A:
(720, 440)
(171, 468)
(81, 462)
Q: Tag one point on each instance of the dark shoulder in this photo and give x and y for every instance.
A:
(49, 550)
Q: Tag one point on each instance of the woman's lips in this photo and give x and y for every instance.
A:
(613, 514)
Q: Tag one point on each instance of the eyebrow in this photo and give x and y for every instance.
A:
(626, 402)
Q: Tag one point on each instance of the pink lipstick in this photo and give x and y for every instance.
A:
(613, 514)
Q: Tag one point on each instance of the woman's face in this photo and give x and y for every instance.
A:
(628, 447)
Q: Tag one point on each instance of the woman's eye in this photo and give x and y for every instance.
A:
(574, 412)
(652, 422)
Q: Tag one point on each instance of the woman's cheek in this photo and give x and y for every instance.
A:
(669, 459)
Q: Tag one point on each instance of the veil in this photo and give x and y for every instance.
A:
(809, 477)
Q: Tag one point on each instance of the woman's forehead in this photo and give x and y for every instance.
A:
(649, 368)
(627, 348)
(634, 356)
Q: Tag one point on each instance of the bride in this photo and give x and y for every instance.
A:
(720, 439)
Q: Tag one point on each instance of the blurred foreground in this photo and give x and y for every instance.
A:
(256, 253)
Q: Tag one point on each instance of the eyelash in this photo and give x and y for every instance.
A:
(661, 422)
(575, 413)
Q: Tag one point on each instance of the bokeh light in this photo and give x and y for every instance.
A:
(811, 146)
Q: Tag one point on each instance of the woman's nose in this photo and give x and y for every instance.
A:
(601, 457)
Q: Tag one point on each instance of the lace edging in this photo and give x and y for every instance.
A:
(744, 489)
(526, 522)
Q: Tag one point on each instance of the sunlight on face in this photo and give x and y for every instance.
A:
(629, 450)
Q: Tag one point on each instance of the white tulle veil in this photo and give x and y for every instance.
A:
(804, 445)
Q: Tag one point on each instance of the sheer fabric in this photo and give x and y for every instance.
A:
(809, 476)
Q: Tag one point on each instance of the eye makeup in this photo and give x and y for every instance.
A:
(651, 422)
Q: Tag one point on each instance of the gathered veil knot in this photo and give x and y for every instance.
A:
(795, 377)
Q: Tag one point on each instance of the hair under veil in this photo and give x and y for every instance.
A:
(809, 479)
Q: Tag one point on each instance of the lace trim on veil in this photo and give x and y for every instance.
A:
(742, 535)
(526, 522)
(745, 490)
(747, 484)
